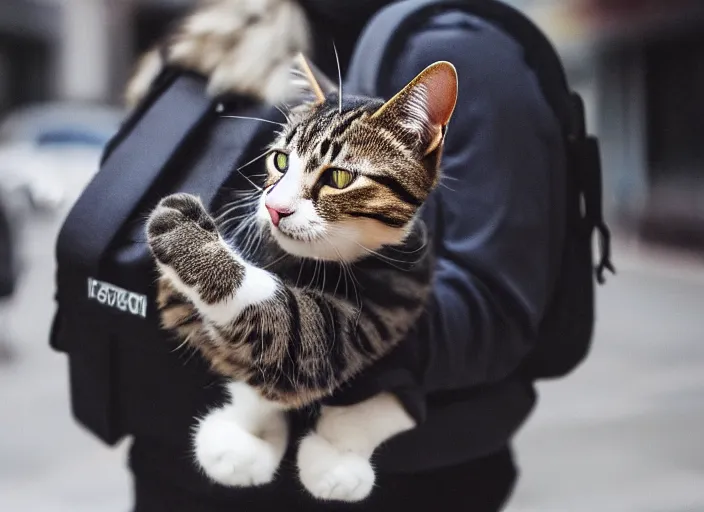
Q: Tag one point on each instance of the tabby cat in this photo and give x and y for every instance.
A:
(342, 272)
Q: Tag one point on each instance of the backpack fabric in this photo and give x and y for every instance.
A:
(178, 141)
(566, 331)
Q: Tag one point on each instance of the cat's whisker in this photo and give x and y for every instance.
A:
(260, 189)
(344, 274)
(325, 276)
(298, 279)
(238, 205)
(228, 225)
(383, 257)
(242, 195)
(269, 265)
(232, 207)
(242, 227)
(254, 159)
(254, 119)
(239, 170)
(315, 275)
(347, 270)
(183, 344)
(260, 239)
(249, 194)
(416, 250)
(237, 237)
(288, 120)
(339, 274)
(242, 234)
(252, 239)
(441, 184)
(237, 195)
(355, 282)
(339, 78)
(253, 242)
(229, 218)
(247, 203)
(191, 354)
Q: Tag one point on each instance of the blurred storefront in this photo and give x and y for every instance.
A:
(638, 63)
(29, 32)
(75, 49)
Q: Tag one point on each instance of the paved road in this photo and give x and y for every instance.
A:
(623, 434)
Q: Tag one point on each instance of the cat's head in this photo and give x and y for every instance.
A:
(346, 177)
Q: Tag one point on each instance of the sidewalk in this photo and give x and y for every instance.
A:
(622, 434)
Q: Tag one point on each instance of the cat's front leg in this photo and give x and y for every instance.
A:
(334, 461)
(241, 443)
(196, 261)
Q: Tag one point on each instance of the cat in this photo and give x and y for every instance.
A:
(346, 178)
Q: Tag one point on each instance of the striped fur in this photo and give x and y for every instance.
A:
(300, 343)
(338, 276)
(309, 339)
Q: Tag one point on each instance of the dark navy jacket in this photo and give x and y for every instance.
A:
(459, 372)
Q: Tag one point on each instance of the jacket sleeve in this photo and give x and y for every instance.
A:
(491, 216)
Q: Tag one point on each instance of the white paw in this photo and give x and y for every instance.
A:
(330, 474)
(232, 456)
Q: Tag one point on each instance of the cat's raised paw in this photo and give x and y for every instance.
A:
(178, 226)
(231, 456)
(330, 474)
(178, 209)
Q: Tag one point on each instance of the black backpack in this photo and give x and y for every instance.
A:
(176, 140)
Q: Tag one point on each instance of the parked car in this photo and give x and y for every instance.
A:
(49, 151)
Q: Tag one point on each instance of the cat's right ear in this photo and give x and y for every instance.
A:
(311, 84)
(424, 107)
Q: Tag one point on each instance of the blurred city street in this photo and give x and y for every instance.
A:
(623, 434)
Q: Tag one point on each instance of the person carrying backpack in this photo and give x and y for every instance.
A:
(513, 294)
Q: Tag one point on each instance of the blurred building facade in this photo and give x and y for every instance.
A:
(641, 65)
(28, 36)
(75, 49)
(638, 63)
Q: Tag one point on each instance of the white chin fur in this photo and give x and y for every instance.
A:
(344, 241)
(324, 250)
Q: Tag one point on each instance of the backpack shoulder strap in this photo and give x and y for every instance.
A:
(143, 150)
(386, 34)
(384, 39)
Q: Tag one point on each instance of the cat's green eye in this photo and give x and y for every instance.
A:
(339, 178)
(280, 161)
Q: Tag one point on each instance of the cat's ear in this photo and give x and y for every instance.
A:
(311, 84)
(424, 107)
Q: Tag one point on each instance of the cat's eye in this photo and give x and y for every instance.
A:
(340, 178)
(280, 161)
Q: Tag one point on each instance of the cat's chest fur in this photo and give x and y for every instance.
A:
(406, 266)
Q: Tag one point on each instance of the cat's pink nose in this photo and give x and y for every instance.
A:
(277, 214)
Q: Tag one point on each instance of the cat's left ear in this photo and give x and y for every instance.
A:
(310, 82)
(424, 107)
